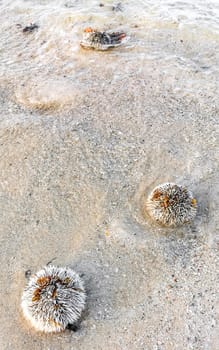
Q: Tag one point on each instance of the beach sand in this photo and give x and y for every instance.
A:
(78, 157)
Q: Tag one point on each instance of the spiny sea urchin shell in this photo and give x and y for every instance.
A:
(171, 205)
(53, 299)
(93, 39)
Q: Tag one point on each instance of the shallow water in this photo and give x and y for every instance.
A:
(85, 136)
(182, 37)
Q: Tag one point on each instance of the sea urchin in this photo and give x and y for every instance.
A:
(171, 205)
(93, 39)
(53, 299)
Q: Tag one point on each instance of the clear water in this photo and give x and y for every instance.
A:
(181, 37)
(72, 183)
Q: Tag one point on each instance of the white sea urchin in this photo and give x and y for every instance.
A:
(93, 39)
(171, 205)
(53, 299)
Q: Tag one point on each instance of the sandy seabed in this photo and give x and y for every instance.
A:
(76, 159)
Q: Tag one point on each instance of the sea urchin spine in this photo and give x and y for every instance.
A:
(53, 299)
(171, 205)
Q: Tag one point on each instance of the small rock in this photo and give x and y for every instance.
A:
(30, 28)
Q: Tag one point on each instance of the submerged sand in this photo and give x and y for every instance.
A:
(75, 163)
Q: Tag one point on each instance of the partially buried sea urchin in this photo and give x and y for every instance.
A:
(53, 299)
(171, 205)
(93, 39)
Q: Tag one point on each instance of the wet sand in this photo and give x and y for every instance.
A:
(75, 163)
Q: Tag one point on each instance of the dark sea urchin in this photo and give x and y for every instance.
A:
(53, 299)
(171, 205)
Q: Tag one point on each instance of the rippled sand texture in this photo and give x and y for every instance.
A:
(84, 136)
